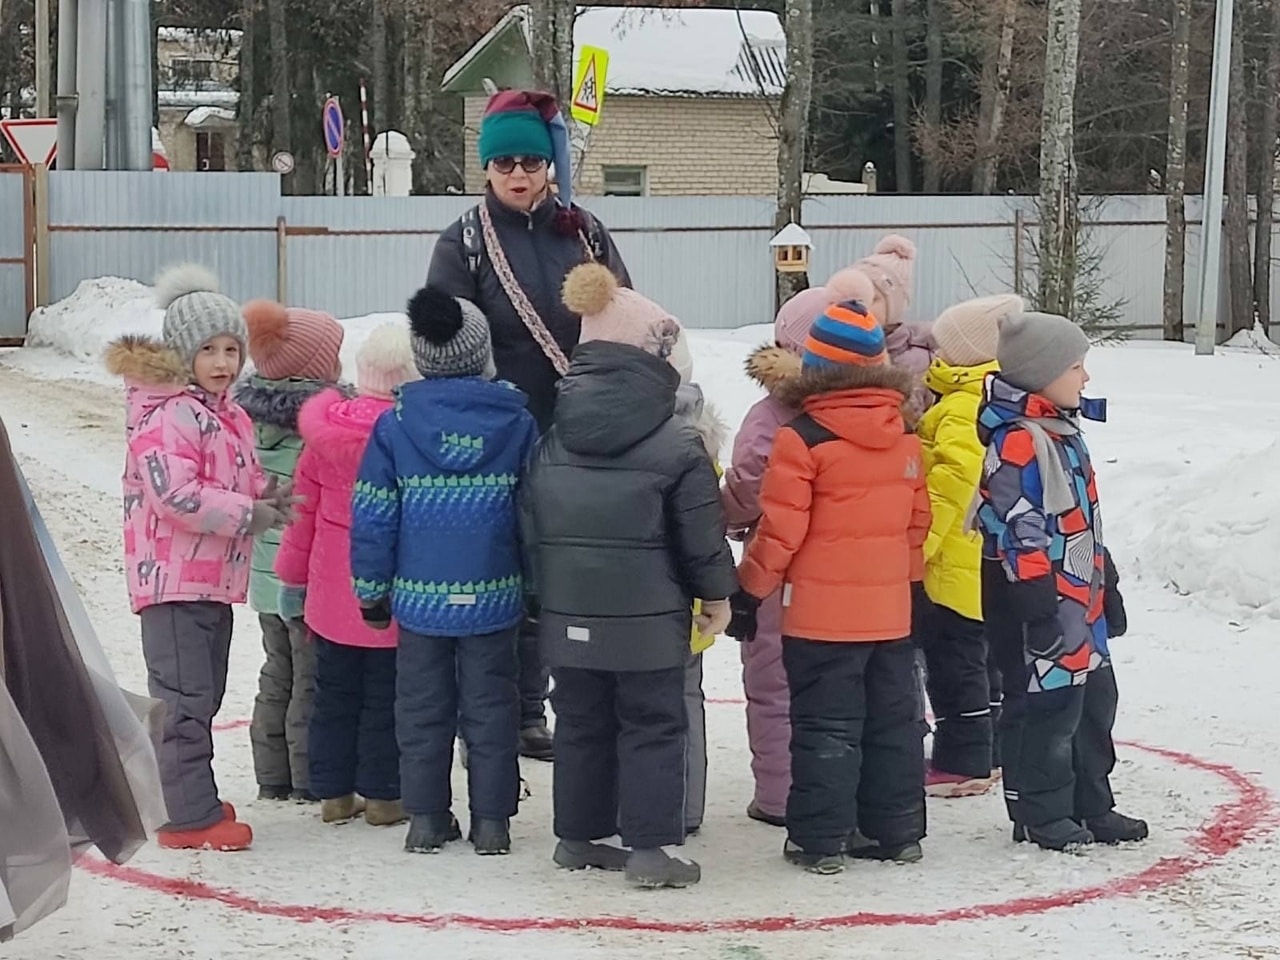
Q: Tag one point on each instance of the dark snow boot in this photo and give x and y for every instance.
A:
(429, 832)
(536, 742)
(583, 855)
(654, 869)
(1062, 836)
(1113, 827)
(862, 847)
(755, 813)
(490, 837)
(276, 794)
(824, 864)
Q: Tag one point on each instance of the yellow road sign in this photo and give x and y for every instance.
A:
(588, 85)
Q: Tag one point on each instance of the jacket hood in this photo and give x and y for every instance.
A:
(771, 366)
(1002, 403)
(442, 414)
(332, 423)
(692, 408)
(943, 378)
(276, 403)
(613, 396)
(153, 373)
(864, 405)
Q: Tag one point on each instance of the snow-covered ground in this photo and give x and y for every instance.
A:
(1187, 466)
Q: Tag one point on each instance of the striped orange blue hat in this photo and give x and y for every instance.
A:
(845, 334)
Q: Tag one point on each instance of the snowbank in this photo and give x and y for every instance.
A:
(98, 312)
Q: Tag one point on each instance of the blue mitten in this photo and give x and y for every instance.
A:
(292, 601)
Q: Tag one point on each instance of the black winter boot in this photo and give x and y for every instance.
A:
(582, 855)
(1062, 836)
(490, 837)
(429, 832)
(277, 794)
(536, 742)
(654, 869)
(824, 864)
(864, 848)
(1113, 827)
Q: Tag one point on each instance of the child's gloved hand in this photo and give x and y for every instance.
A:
(1112, 601)
(742, 621)
(268, 515)
(376, 613)
(714, 618)
(292, 602)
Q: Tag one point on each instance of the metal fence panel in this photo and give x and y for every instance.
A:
(13, 243)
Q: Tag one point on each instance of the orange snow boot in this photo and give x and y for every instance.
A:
(224, 836)
(228, 811)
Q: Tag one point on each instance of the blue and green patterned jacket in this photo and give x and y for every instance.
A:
(434, 521)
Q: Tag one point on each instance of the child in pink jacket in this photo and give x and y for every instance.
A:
(763, 676)
(354, 760)
(194, 498)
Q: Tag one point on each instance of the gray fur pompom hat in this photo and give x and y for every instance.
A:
(195, 312)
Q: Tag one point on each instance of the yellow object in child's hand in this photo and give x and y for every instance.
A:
(700, 642)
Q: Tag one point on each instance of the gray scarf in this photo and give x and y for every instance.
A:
(1054, 477)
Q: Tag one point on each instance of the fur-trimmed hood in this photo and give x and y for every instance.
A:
(146, 362)
(337, 426)
(693, 408)
(772, 366)
(868, 405)
(277, 403)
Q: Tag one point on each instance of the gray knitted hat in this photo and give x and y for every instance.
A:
(450, 336)
(195, 312)
(1035, 349)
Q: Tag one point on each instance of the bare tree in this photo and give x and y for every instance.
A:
(1175, 172)
(1266, 171)
(1236, 223)
(934, 10)
(247, 106)
(901, 97)
(793, 128)
(281, 85)
(1058, 203)
(551, 35)
(996, 72)
(381, 70)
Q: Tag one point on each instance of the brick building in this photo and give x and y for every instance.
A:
(690, 96)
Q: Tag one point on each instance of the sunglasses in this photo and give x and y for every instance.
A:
(505, 165)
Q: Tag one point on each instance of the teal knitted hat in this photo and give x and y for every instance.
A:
(514, 133)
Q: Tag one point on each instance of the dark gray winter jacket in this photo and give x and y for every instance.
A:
(541, 257)
(622, 518)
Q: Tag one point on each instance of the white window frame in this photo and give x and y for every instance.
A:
(641, 174)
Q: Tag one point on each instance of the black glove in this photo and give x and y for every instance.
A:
(1043, 638)
(1112, 601)
(742, 622)
(377, 613)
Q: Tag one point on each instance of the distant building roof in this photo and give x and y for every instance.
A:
(656, 51)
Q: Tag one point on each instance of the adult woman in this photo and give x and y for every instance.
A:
(510, 255)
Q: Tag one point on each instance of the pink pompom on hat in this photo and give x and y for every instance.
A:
(796, 316)
(890, 269)
(616, 313)
(289, 342)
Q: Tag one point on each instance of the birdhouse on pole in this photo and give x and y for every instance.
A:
(791, 248)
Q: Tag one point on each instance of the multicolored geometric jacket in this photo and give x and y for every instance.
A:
(1052, 553)
(434, 520)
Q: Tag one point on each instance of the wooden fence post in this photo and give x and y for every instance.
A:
(282, 261)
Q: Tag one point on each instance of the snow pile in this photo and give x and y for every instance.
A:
(1255, 340)
(1219, 536)
(99, 311)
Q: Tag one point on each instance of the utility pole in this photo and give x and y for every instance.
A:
(1215, 168)
(68, 24)
(42, 58)
(135, 84)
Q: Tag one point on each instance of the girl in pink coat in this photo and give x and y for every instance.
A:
(354, 760)
(763, 676)
(194, 498)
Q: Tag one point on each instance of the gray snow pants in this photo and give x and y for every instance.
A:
(282, 709)
(695, 752)
(186, 647)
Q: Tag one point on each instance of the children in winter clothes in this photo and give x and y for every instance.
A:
(1044, 589)
(624, 529)
(295, 353)
(434, 544)
(763, 677)
(948, 614)
(845, 515)
(352, 742)
(194, 495)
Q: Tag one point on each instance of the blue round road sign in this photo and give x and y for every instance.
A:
(334, 125)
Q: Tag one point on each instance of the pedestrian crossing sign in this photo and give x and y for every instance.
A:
(588, 85)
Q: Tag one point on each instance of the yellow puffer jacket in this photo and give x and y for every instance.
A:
(953, 466)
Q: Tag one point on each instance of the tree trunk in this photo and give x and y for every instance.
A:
(282, 90)
(248, 103)
(419, 42)
(1057, 159)
(901, 98)
(1267, 134)
(933, 87)
(793, 128)
(1236, 225)
(380, 117)
(551, 36)
(997, 69)
(1175, 173)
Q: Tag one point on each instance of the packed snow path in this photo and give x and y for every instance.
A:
(1195, 679)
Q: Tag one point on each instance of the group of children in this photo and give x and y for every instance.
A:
(904, 494)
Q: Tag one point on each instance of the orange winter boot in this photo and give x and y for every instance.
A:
(228, 811)
(225, 836)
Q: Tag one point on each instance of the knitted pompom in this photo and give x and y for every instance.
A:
(896, 245)
(181, 280)
(268, 324)
(589, 288)
(434, 315)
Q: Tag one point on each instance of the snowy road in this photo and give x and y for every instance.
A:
(1191, 682)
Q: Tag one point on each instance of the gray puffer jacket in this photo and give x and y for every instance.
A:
(622, 518)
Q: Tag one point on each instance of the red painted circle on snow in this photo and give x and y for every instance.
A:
(1249, 814)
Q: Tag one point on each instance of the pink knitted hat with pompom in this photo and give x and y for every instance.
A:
(890, 269)
(796, 316)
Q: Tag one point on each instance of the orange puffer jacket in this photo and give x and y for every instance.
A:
(846, 510)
